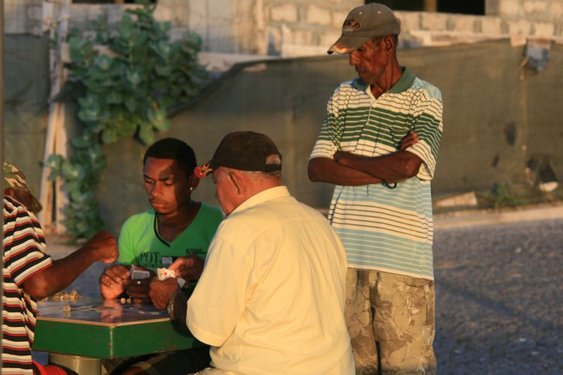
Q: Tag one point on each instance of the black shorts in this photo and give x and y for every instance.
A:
(173, 363)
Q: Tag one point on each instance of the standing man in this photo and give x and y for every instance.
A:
(379, 144)
(29, 273)
(175, 227)
(271, 296)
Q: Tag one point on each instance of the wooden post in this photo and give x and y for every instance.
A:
(431, 6)
(52, 196)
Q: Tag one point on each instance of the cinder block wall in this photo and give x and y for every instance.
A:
(297, 27)
(23, 16)
(293, 24)
(533, 10)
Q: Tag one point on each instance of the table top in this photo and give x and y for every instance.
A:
(99, 328)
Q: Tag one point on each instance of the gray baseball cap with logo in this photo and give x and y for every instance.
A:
(362, 24)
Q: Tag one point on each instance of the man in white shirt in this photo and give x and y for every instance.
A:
(271, 296)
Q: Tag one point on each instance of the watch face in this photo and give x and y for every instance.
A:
(170, 306)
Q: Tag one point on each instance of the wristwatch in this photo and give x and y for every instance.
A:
(170, 306)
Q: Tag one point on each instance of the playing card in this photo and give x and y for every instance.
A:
(165, 273)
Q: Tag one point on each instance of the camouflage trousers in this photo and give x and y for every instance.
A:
(391, 322)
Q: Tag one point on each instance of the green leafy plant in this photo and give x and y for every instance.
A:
(124, 83)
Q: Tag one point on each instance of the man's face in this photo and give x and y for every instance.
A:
(370, 61)
(225, 190)
(166, 185)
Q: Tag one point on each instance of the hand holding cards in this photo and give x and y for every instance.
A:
(137, 286)
(137, 274)
(166, 273)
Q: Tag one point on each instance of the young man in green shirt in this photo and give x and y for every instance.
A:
(175, 226)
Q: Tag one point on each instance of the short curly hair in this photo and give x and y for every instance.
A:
(173, 148)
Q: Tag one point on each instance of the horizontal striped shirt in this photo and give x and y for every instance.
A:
(24, 245)
(381, 228)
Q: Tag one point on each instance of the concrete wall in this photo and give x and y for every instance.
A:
(26, 91)
(497, 117)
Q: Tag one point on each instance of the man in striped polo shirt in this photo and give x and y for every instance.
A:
(29, 273)
(379, 144)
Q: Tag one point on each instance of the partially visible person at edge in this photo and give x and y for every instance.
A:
(30, 274)
(271, 296)
(175, 227)
(379, 144)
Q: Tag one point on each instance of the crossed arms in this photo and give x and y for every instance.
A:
(348, 169)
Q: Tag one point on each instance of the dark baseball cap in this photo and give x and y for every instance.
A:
(362, 24)
(245, 151)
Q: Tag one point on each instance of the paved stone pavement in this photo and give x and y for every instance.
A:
(499, 303)
(498, 281)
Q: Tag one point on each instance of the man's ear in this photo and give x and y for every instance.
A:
(238, 180)
(388, 43)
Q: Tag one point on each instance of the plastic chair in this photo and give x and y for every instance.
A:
(49, 369)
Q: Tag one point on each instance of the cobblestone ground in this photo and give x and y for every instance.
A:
(499, 302)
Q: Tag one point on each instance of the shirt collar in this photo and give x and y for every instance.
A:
(263, 196)
(403, 84)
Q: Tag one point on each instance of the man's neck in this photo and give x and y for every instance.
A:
(171, 225)
(388, 80)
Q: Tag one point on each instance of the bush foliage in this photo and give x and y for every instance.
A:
(124, 83)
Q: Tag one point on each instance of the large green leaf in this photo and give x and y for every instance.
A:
(103, 62)
(70, 171)
(126, 27)
(80, 142)
(163, 70)
(109, 136)
(140, 39)
(114, 97)
(131, 104)
(146, 133)
(134, 76)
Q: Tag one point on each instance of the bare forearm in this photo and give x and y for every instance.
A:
(327, 170)
(60, 275)
(101, 247)
(390, 168)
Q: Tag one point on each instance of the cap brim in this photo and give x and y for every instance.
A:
(35, 205)
(25, 197)
(347, 43)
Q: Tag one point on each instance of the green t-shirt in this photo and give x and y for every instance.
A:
(140, 244)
